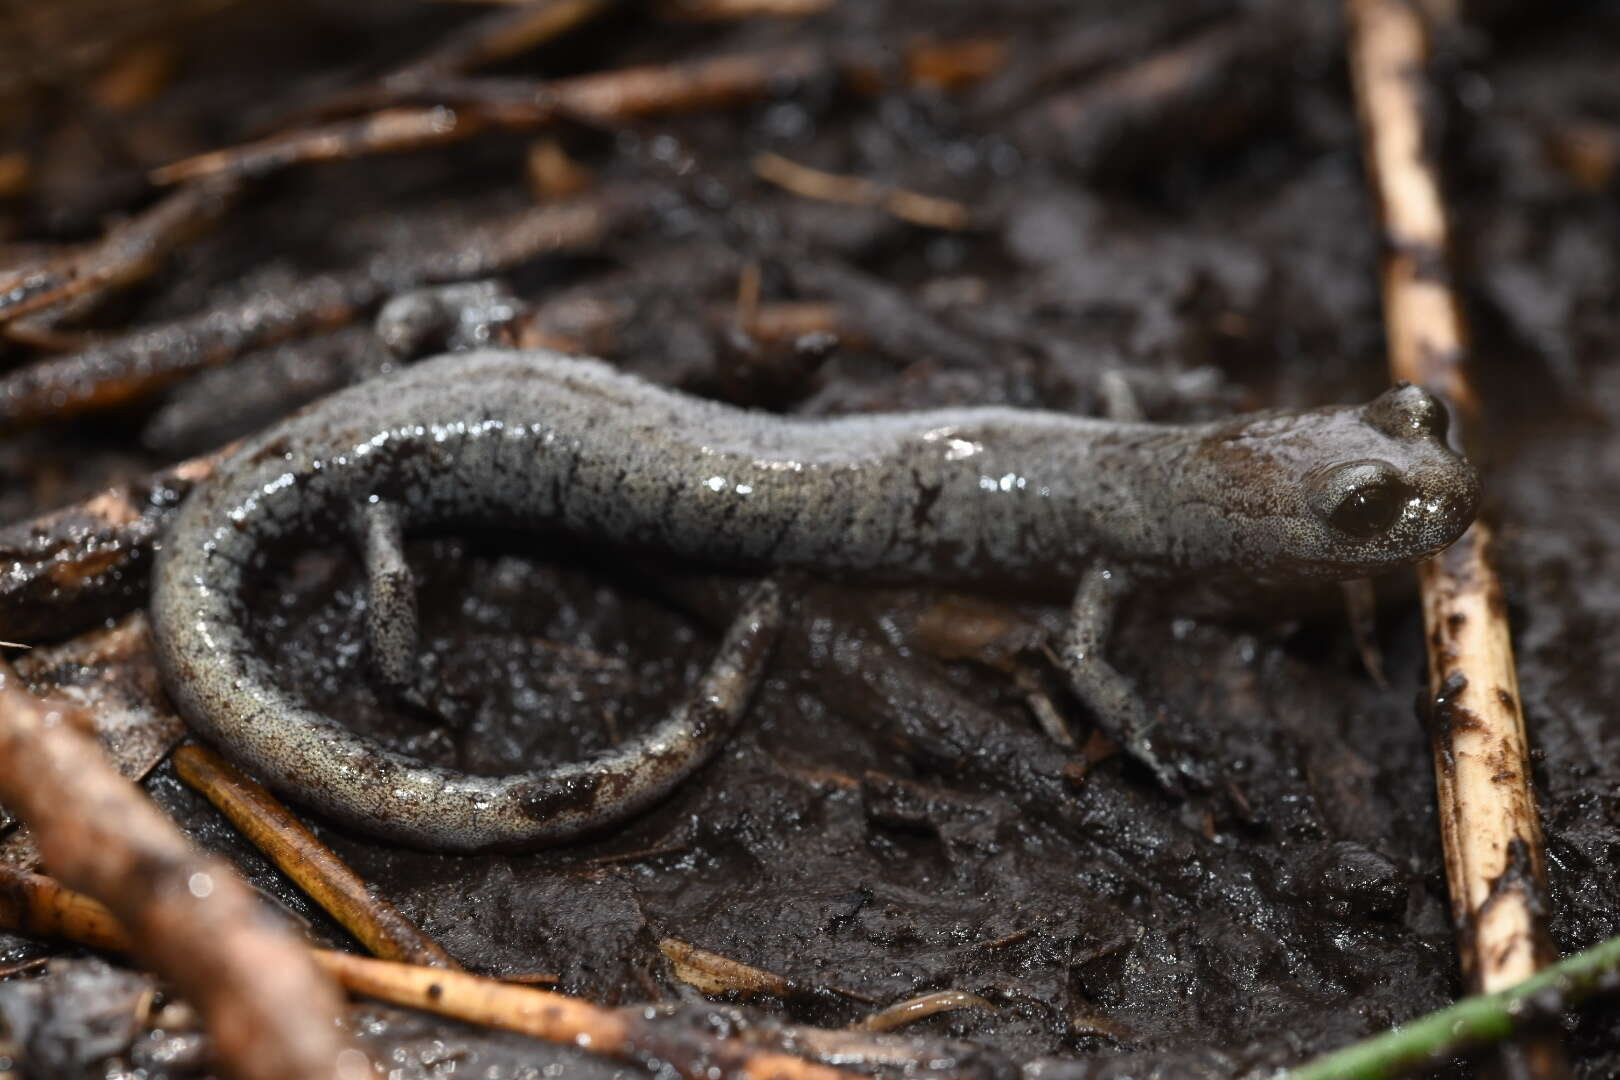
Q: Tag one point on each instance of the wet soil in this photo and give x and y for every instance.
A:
(890, 819)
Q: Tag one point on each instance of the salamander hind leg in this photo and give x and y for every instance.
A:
(452, 811)
(1119, 710)
(391, 617)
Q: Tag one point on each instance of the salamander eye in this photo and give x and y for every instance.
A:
(1361, 499)
(1367, 511)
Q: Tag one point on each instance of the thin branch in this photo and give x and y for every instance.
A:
(713, 973)
(1208, 89)
(40, 906)
(111, 671)
(1490, 829)
(135, 249)
(728, 10)
(133, 366)
(468, 106)
(513, 33)
(377, 924)
(63, 571)
(922, 1006)
(128, 253)
(34, 904)
(1492, 834)
(919, 209)
(272, 1014)
(789, 320)
(627, 1034)
(495, 37)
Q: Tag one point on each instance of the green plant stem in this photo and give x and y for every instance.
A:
(1473, 1021)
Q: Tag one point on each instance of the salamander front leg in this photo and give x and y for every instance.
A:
(391, 619)
(1119, 710)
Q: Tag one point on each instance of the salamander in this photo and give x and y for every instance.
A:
(988, 496)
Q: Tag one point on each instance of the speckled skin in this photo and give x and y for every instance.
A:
(986, 495)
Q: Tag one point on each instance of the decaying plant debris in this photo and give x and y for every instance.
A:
(820, 207)
(1490, 826)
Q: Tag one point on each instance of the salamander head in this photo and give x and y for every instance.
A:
(1348, 492)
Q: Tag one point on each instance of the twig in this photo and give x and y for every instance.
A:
(135, 249)
(919, 209)
(130, 252)
(35, 904)
(1585, 151)
(715, 974)
(1007, 939)
(377, 924)
(414, 115)
(727, 10)
(923, 1005)
(111, 671)
(64, 570)
(465, 107)
(532, 978)
(392, 130)
(622, 1033)
(136, 365)
(618, 857)
(501, 36)
(1207, 90)
(1086, 46)
(951, 65)
(1488, 820)
(271, 1013)
(552, 173)
(495, 37)
(1473, 1021)
(1482, 765)
(39, 906)
(22, 967)
(789, 320)
(16, 172)
(213, 407)
(129, 367)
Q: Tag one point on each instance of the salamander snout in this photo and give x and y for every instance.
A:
(1409, 496)
(1416, 510)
